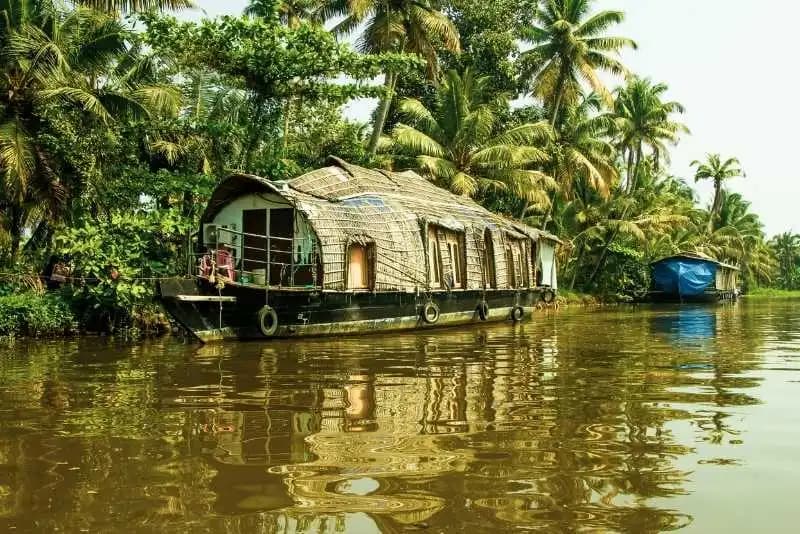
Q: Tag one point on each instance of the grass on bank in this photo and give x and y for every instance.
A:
(54, 314)
(772, 293)
(567, 297)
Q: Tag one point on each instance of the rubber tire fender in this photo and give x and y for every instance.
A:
(548, 296)
(430, 313)
(483, 310)
(517, 314)
(267, 321)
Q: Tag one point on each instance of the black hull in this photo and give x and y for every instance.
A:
(232, 313)
(709, 297)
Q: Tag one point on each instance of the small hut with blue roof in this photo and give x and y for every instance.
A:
(692, 277)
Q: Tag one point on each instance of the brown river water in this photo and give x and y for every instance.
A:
(629, 419)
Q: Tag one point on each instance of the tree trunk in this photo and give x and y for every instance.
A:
(383, 112)
(524, 209)
(287, 114)
(549, 215)
(40, 237)
(603, 254)
(188, 203)
(602, 259)
(634, 182)
(715, 206)
(16, 233)
(577, 267)
(553, 120)
(255, 135)
(630, 171)
(559, 98)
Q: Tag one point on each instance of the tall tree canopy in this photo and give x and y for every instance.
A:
(642, 119)
(718, 171)
(461, 144)
(412, 26)
(569, 45)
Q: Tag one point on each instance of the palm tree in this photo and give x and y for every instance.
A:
(640, 221)
(570, 45)
(412, 26)
(457, 143)
(642, 119)
(787, 249)
(79, 60)
(749, 249)
(718, 171)
(208, 104)
(134, 6)
(738, 238)
(581, 152)
(290, 12)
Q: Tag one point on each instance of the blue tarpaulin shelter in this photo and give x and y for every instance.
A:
(684, 276)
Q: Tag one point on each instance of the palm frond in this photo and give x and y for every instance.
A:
(17, 157)
(414, 141)
(135, 6)
(80, 96)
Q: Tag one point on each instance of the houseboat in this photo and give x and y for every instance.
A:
(691, 277)
(344, 249)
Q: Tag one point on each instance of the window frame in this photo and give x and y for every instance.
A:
(511, 267)
(434, 261)
(455, 246)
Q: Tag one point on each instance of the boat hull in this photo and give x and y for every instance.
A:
(232, 313)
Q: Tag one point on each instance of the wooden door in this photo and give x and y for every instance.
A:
(254, 244)
(281, 232)
(357, 268)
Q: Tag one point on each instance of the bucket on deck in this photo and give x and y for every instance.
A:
(260, 277)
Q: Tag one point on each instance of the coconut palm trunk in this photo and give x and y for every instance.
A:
(630, 170)
(383, 112)
(287, 123)
(606, 246)
(715, 207)
(578, 261)
(16, 233)
(559, 98)
(633, 181)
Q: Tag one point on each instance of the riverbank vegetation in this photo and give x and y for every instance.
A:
(773, 293)
(117, 120)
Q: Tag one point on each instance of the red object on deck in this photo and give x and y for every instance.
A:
(225, 264)
(205, 266)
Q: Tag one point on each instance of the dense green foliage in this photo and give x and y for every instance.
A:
(114, 130)
(34, 314)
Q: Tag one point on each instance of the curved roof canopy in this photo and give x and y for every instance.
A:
(344, 204)
(350, 187)
(696, 256)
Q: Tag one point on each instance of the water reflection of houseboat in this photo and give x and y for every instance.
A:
(345, 249)
(688, 325)
(693, 278)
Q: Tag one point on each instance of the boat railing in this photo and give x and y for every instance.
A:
(282, 262)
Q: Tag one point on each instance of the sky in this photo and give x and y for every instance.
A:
(730, 63)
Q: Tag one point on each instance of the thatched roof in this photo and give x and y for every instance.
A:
(345, 203)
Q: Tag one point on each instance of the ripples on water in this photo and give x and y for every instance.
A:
(626, 420)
